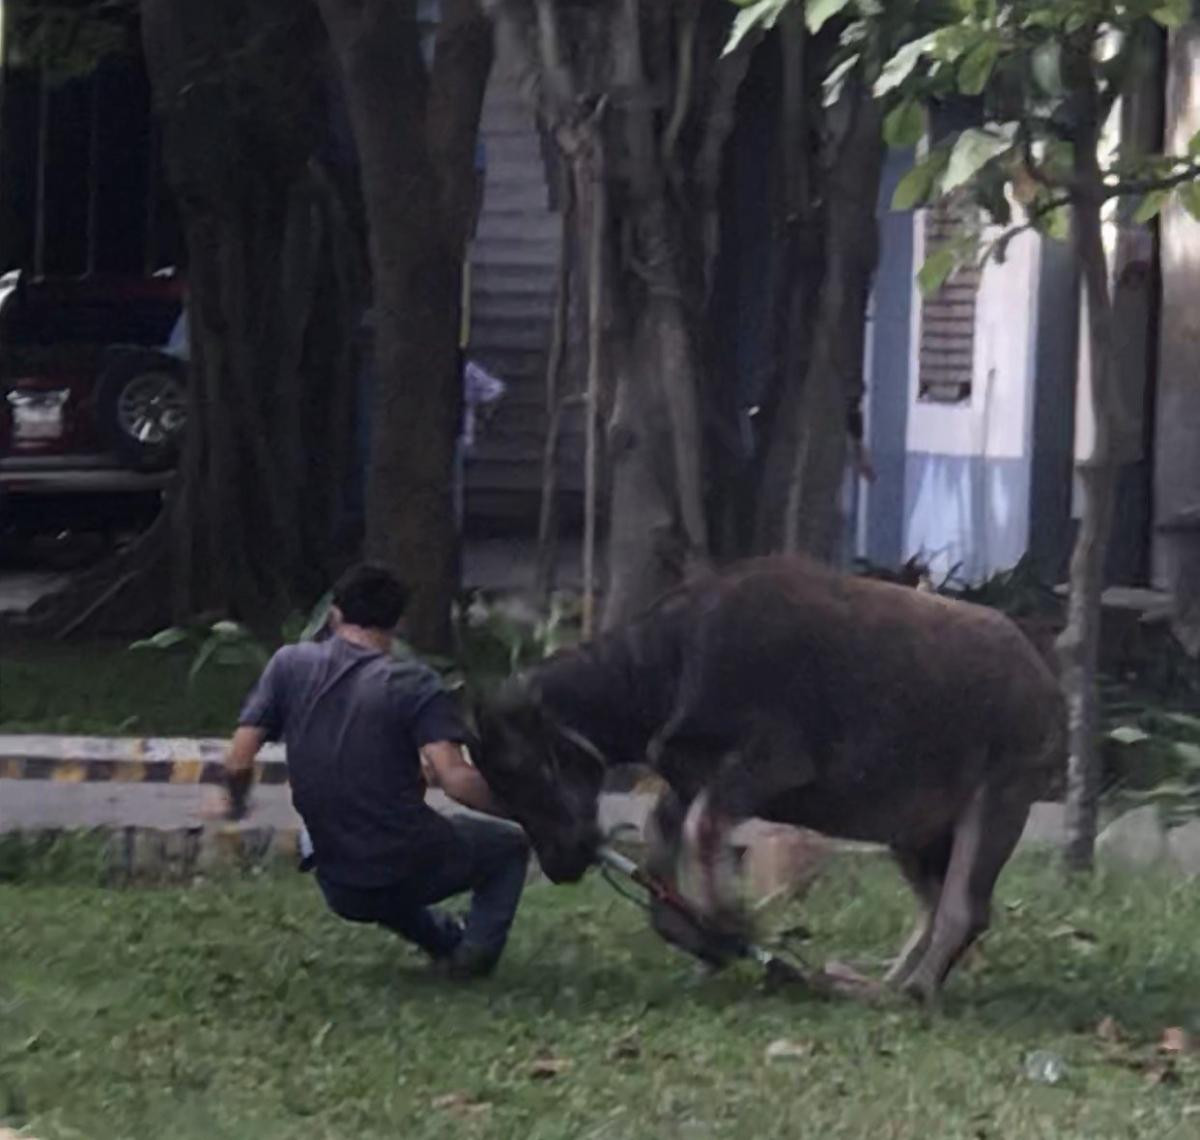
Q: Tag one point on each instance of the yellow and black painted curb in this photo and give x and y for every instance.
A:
(128, 760)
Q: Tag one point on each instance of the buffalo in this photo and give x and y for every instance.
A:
(789, 692)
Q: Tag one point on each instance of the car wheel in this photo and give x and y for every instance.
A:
(141, 406)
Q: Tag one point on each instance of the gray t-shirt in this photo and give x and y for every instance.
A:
(353, 721)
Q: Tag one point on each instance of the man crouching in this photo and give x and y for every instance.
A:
(365, 734)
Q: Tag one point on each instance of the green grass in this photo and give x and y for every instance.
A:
(104, 688)
(240, 1009)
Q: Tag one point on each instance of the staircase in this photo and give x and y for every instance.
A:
(514, 269)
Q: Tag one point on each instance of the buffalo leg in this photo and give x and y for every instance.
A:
(925, 870)
(665, 847)
(985, 836)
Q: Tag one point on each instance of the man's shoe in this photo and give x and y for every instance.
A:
(467, 962)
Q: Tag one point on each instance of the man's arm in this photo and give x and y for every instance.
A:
(444, 766)
(239, 767)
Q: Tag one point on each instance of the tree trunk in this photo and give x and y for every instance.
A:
(93, 182)
(1079, 643)
(830, 203)
(43, 159)
(814, 522)
(273, 276)
(416, 137)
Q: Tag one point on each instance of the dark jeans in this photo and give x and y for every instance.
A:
(495, 858)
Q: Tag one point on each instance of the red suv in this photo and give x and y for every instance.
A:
(93, 397)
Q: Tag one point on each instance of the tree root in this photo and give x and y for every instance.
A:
(126, 594)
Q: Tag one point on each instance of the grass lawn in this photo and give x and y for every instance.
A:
(104, 688)
(240, 1009)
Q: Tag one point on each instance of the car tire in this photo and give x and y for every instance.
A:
(141, 409)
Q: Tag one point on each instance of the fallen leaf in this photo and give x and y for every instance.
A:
(547, 1068)
(627, 1047)
(1175, 1041)
(319, 1037)
(785, 1050)
(840, 972)
(1161, 1072)
(1074, 935)
(799, 933)
(1109, 1031)
(461, 1104)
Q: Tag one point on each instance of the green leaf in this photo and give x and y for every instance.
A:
(318, 618)
(1056, 223)
(1189, 754)
(1189, 198)
(1184, 721)
(1151, 206)
(164, 639)
(904, 125)
(974, 149)
(1193, 147)
(1129, 734)
(762, 14)
(207, 651)
(901, 65)
(917, 186)
(1047, 68)
(837, 77)
(937, 269)
(1172, 13)
(817, 13)
(976, 69)
(229, 630)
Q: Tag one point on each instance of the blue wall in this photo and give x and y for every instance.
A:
(887, 385)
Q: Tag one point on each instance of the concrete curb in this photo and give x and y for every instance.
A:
(127, 760)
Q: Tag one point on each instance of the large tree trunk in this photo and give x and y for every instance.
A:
(1079, 643)
(831, 168)
(416, 137)
(638, 95)
(274, 276)
(268, 240)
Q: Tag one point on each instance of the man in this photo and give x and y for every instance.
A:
(365, 734)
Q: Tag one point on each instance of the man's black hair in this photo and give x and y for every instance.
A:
(371, 596)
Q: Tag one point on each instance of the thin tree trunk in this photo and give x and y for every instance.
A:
(1079, 643)
(43, 146)
(94, 155)
(548, 515)
(150, 242)
(814, 522)
(596, 294)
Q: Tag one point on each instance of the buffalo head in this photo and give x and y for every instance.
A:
(547, 775)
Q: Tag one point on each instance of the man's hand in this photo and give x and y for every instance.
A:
(444, 766)
(239, 769)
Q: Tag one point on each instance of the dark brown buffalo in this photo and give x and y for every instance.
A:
(780, 690)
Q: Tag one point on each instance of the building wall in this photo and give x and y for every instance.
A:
(881, 503)
(968, 468)
(1177, 474)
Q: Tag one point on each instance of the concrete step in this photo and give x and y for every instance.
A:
(510, 280)
(502, 171)
(527, 195)
(522, 225)
(517, 252)
(489, 306)
(489, 333)
(512, 144)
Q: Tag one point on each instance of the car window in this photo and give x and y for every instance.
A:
(33, 321)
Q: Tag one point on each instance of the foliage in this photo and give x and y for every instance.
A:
(1151, 753)
(223, 644)
(498, 638)
(68, 40)
(1040, 76)
(242, 1008)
